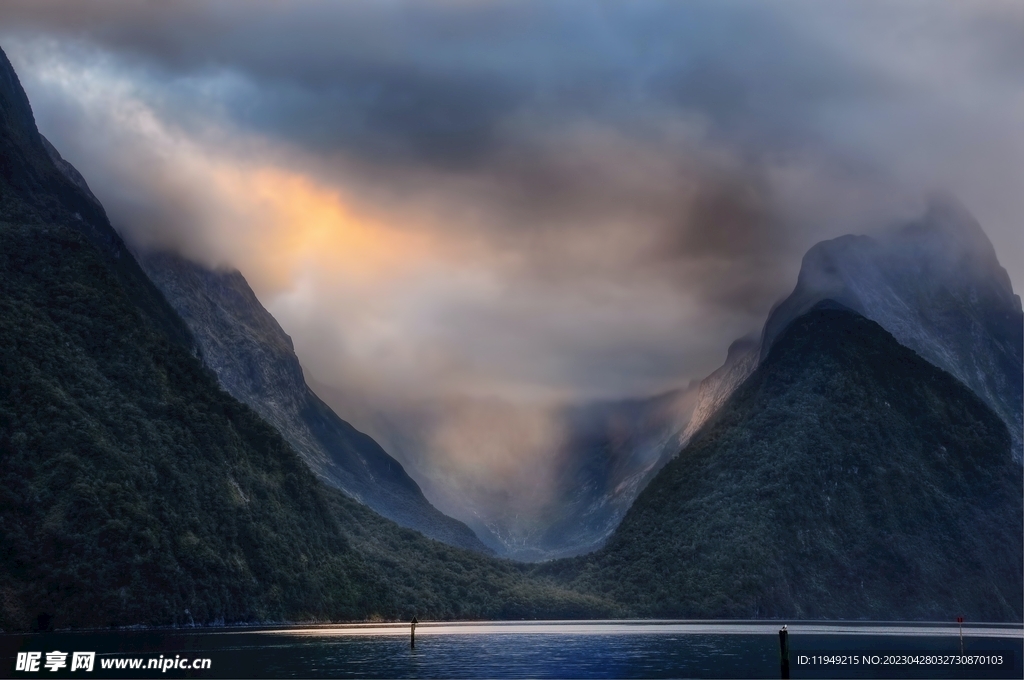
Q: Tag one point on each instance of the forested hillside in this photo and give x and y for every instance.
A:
(255, 362)
(846, 478)
(133, 490)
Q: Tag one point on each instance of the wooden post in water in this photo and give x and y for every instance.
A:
(412, 639)
(784, 651)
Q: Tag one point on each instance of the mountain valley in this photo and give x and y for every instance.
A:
(164, 461)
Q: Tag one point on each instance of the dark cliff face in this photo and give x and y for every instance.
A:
(69, 171)
(17, 124)
(255, 362)
(32, 188)
(846, 478)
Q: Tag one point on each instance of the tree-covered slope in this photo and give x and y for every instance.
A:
(37, 188)
(846, 478)
(133, 490)
(254, 360)
(934, 282)
(937, 285)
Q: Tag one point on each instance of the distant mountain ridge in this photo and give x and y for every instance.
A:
(254, 360)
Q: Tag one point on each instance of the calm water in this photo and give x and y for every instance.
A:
(611, 649)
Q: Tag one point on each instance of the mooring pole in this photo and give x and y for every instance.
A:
(784, 651)
(412, 638)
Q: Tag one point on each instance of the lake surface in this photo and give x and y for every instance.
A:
(601, 649)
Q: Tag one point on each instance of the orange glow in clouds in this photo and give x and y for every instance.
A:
(284, 223)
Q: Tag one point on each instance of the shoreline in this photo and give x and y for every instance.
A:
(576, 626)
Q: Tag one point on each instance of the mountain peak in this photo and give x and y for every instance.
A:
(935, 283)
(955, 245)
(15, 110)
(948, 216)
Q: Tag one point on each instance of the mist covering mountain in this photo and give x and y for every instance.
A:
(614, 449)
(135, 491)
(847, 477)
(935, 283)
(254, 360)
(611, 451)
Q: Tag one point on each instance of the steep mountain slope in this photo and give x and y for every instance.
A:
(33, 190)
(740, 361)
(935, 284)
(846, 478)
(134, 490)
(131, 488)
(255, 362)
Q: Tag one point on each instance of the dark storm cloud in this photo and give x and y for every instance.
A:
(326, 76)
(437, 82)
(387, 115)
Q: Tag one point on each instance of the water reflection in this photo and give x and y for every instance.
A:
(568, 649)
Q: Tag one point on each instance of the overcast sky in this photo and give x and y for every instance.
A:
(525, 203)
